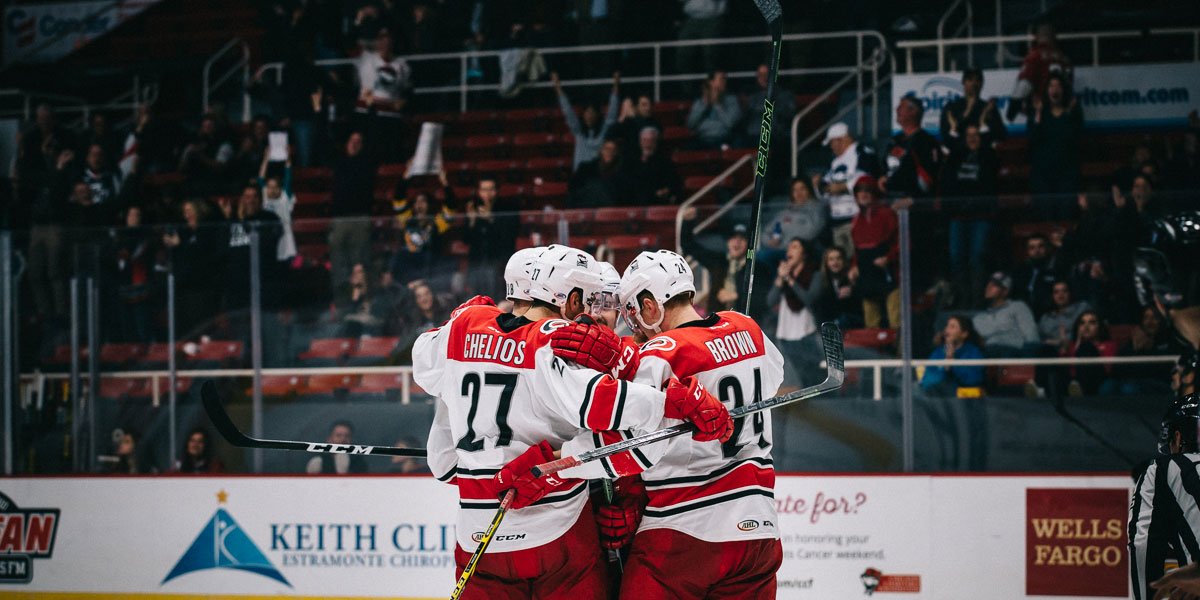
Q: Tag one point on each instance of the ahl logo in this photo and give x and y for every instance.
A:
(748, 525)
(477, 536)
(25, 534)
(222, 544)
(874, 580)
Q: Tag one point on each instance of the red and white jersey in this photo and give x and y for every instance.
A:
(708, 490)
(500, 390)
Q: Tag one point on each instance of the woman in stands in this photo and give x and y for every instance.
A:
(803, 301)
(1089, 339)
(198, 454)
(960, 387)
(840, 280)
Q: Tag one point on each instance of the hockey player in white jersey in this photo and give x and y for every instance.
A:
(710, 528)
(504, 404)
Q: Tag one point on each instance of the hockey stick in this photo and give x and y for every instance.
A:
(220, 419)
(469, 570)
(831, 340)
(774, 15)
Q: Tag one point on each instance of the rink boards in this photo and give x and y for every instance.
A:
(914, 536)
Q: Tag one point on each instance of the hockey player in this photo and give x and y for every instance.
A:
(516, 278)
(504, 404)
(1164, 517)
(710, 529)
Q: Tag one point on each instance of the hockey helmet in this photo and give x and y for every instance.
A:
(664, 274)
(607, 298)
(516, 273)
(1183, 416)
(560, 269)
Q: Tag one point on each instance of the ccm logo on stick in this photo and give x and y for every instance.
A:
(478, 537)
(339, 448)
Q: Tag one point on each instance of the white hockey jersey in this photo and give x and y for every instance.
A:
(500, 390)
(711, 491)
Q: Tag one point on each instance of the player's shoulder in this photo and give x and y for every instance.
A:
(720, 339)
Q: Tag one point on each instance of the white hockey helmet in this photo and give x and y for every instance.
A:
(664, 274)
(607, 298)
(516, 273)
(560, 269)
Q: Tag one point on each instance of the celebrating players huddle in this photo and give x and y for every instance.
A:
(690, 517)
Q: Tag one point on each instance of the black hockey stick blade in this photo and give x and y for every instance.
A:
(835, 374)
(770, 10)
(220, 419)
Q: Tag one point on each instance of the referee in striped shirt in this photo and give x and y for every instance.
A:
(1164, 517)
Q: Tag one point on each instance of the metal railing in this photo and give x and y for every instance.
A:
(1095, 38)
(24, 102)
(464, 87)
(968, 26)
(210, 83)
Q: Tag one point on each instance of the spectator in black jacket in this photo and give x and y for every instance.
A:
(1034, 277)
(600, 182)
(971, 109)
(968, 187)
(803, 300)
(1054, 131)
(651, 175)
(727, 270)
(1149, 338)
(342, 432)
(193, 248)
(634, 117)
(840, 278)
(491, 231)
(104, 181)
(250, 217)
(353, 193)
(912, 157)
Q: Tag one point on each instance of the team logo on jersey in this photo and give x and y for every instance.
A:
(748, 525)
(581, 261)
(223, 544)
(25, 534)
(550, 325)
(477, 536)
(662, 343)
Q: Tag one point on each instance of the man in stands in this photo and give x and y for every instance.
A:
(971, 109)
(635, 116)
(714, 114)
(651, 174)
(784, 108)
(912, 156)
(491, 232)
(850, 159)
(342, 432)
(727, 269)
(384, 83)
(1006, 326)
(1033, 279)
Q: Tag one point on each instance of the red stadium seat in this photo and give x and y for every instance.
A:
(676, 133)
(117, 387)
(555, 168)
(661, 213)
(1121, 333)
(279, 385)
(333, 349)
(328, 384)
(476, 123)
(217, 350)
(534, 145)
(550, 189)
(374, 350)
(483, 147)
(684, 157)
(379, 383)
(631, 242)
(1015, 375)
(869, 338)
(121, 354)
(507, 171)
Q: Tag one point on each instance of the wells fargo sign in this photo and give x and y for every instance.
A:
(1075, 542)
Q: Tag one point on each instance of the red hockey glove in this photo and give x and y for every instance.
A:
(688, 400)
(477, 301)
(618, 522)
(517, 475)
(593, 346)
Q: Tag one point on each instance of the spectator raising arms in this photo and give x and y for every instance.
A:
(970, 109)
(1044, 60)
(957, 340)
(635, 116)
(714, 114)
(1054, 130)
(589, 133)
(383, 83)
(277, 198)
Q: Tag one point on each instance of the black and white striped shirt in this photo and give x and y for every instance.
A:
(1164, 519)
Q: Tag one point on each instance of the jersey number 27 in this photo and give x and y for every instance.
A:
(471, 388)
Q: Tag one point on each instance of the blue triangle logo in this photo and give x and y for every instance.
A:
(223, 545)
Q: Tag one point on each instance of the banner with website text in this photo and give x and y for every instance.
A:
(843, 536)
(36, 33)
(1112, 97)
